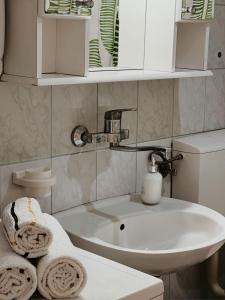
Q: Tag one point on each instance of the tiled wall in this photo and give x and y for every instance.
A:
(36, 123)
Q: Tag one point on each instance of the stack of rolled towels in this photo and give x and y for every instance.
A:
(36, 253)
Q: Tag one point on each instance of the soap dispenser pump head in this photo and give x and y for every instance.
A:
(153, 166)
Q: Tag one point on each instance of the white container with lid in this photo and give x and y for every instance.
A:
(152, 185)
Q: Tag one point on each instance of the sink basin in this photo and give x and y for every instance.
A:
(154, 239)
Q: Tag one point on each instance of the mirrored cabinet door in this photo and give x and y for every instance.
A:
(117, 34)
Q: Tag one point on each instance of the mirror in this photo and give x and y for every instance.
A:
(117, 34)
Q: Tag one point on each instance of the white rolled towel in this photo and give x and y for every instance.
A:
(25, 228)
(18, 279)
(60, 273)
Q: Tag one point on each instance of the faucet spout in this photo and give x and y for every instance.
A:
(138, 148)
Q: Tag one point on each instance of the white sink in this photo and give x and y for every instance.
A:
(155, 239)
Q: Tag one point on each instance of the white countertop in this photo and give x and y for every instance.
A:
(108, 280)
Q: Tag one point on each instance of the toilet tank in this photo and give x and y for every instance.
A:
(201, 174)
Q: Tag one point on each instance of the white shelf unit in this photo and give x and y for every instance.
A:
(53, 43)
(106, 76)
(173, 42)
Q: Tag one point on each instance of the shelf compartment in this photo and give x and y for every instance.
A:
(65, 53)
(171, 44)
(52, 45)
(199, 11)
(42, 13)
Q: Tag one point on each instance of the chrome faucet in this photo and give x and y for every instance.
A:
(113, 134)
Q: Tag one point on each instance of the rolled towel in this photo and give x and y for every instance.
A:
(18, 279)
(60, 273)
(25, 228)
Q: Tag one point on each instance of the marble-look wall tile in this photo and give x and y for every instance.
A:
(9, 192)
(25, 123)
(217, 39)
(116, 173)
(71, 106)
(215, 101)
(220, 2)
(119, 95)
(76, 180)
(142, 166)
(166, 282)
(155, 109)
(189, 283)
(189, 106)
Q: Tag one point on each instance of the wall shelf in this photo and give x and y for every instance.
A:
(65, 17)
(105, 76)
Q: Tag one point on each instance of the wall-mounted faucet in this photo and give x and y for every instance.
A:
(113, 134)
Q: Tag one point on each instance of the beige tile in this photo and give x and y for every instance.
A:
(155, 109)
(116, 173)
(166, 282)
(215, 101)
(189, 104)
(25, 122)
(76, 180)
(188, 284)
(217, 40)
(10, 192)
(220, 2)
(72, 106)
(116, 96)
(142, 166)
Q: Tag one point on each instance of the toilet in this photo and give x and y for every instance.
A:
(200, 178)
(200, 175)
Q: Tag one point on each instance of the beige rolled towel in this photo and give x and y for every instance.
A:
(18, 279)
(25, 228)
(61, 274)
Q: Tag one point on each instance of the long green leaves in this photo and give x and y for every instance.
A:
(116, 42)
(107, 23)
(67, 7)
(104, 44)
(94, 54)
(203, 9)
(210, 10)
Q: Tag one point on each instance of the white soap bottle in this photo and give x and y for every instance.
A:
(152, 185)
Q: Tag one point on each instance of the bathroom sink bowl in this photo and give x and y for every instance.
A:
(154, 239)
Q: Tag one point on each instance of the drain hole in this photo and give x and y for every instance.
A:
(219, 54)
(122, 227)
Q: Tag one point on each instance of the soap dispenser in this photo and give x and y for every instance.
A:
(152, 185)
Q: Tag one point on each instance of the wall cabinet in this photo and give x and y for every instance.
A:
(149, 35)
